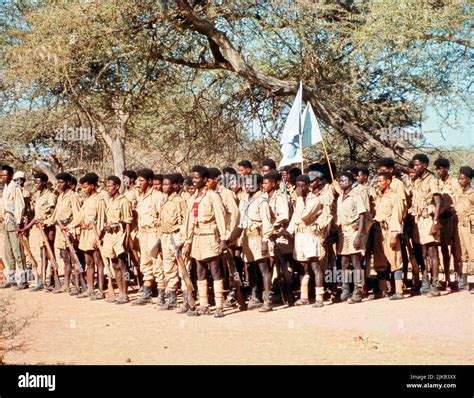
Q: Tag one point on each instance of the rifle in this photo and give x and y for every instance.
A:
(105, 260)
(184, 274)
(236, 278)
(75, 260)
(27, 249)
(284, 277)
(136, 262)
(51, 257)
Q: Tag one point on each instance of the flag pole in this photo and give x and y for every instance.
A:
(327, 157)
(301, 133)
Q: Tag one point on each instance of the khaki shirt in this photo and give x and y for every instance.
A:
(13, 203)
(424, 188)
(68, 205)
(148, 208)
(389, 211)
(118, 210)
(256, 214)
(132, 196)
(448, 189)
(465, 206)
(306, 212)
(92, 210)
(173, 211)
(211, 212)
(349, 208)
(279, 207)
(44, 204)
(232, 213)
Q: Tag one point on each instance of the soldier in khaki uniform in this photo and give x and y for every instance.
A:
(68, 205)
(44, 202)
(387, 230)
(426, 208)
(465, 211)
(205, 237)
(91, 215)
(256, 227)
(352, 236)
(13, 206)
(158, 182)
(118, 218)
(129, 178)
(172, 213)
(449, 238)
(149, 233)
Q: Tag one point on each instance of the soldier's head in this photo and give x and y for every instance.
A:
(245, 167)
(352, 169)
(89, 183)
(268, 165)
(19, 178)
(386, 165)
(144, 179)
(129, 177)
(64, 181)
(465, 176)
(270, 181)
(188, 185)
(442, 167)
(112, 185)
(346, 179)
(73, 183)
(327, 169)
(230, 178)
(363, 175)
(253, 183)
(178, 185)
(411, 170)
(158, 182)
(420, 163)
(200, 175)
(7, 174)
(284, 172)
(41, 180)
(315, 178)
(383, 181)
(169, 182)
(303, 181)
(293, 174)
(214, 177)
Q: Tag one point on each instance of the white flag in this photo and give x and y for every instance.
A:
(290, 139)
(311, 132)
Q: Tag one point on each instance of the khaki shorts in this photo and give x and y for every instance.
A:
(252, 248)
(384, 255)
(308, 245)
(421, 231)
(345, 244)
(113, 245)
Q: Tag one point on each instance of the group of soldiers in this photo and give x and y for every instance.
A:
(238, 238)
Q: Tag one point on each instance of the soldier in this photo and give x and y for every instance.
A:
(90, 216)
(465, 211)
(118, 218)
(387, 165)
(44, 203)
(245, 168)
(205, 239)
(426, 208)
(310, 223)
(363, 177)
(256, 227)
(129, 178)
(293, 174)
(387, 250)
(149, 233)
(449, 238)
(158, 182)
(231, 181)
(268, 165)
(351, 217)
(13, 206)
(188, 188)
(173, 210)
(68, 205)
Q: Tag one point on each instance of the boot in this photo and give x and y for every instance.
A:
(356, 295)
(434, 292)
(319, 298)
(172, 304)
(121, 300)
(183, 308)
(346, 291)
(304, 300)
(21, 286)
(39, 286)
(219, 297)
(398, 290)
(463, 284)
(254, 301)
(203, 308)
(267, 304)
(425, 285)
(145, 298)
(160, 301)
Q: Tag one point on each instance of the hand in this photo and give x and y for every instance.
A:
(299, 191)
(265, 248)
(223, 246)
(357, 242)
(187, 249)
(434, 229)
(393, 242)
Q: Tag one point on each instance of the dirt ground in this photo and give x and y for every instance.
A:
(418, 330)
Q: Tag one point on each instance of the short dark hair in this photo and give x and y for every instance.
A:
(201, 170)
(64, 176)
(347, 174)
(386, 162)
(158, 177)
(294, 172)
(7, 168)
(327, 168)
(179, 178)
(41, 176)
(421, 157)
(73, 181)
(258, 177)
(229, 170)
(467, 171)
(364, 170)
(130, 174)
(147, 174)
(214, 172)
(411, 164)
(245, 163)
(89, 178)
(303, 178)
(352, 168)
(173, 178)
(386, 176)
(270, 163)
(114, 179)
(286, 168)
(315, 166)
(272, 176)
(188, 181)
(442, 162)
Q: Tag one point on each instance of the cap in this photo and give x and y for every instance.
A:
(313, 174)
(19, 174)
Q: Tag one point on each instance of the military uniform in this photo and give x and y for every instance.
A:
(465, 211)
(280, 214)
(423, 208)
(448, 219)
(118, 212)
(232, 213)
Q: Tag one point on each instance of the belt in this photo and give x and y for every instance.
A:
(353, 226)
(149, 228)
(86, 226)
(113, 228)
(303, 228)
(252, 234)
(171, 231)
